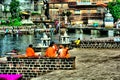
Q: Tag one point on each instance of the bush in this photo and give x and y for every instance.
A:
(15, 22)
(11, 22)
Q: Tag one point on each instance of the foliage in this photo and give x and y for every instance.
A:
(68, 13)
(35, 13)
(15, 22)
(3, 22)
(14, 8)
(117, 0)
(11, 22)
(15, 19)
(114, 8)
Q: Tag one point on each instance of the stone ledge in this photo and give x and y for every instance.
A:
(37, 66)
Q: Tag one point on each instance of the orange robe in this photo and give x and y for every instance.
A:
(64, 53)
(55, 48)
(67, 55)
(30, 52)
(50, 52)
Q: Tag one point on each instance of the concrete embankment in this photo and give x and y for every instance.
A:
(91, 64)
(21, 29)
(33, 67)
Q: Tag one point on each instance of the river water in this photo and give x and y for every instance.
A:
(20, 42)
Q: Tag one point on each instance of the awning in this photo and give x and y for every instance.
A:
(24, 12)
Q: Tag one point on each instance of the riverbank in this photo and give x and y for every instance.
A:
(21, 29)
(91, 64)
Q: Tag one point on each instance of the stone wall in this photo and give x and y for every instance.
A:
(34, 67)
(109, 44)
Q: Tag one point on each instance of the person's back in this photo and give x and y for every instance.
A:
(67, 55)
(30, 51)
(55, 48)
(50, 52)
(63, 52)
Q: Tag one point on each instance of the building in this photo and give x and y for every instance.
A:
(85, 12)
(25, 5)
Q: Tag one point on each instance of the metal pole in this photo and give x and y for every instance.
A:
(59, 25)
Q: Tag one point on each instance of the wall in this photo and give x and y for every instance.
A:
(34, 67)
(110, 44)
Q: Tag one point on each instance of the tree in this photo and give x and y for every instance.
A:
(114, 8)
(14, 8)
(67, 13)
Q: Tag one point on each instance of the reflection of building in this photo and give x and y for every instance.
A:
(83, 11)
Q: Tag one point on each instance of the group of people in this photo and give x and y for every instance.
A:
(60, 51)
(53, 51)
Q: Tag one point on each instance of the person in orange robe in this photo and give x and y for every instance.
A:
(50, 52)
(30, 51)
(67, 55)
(55, 47)
(63, 52)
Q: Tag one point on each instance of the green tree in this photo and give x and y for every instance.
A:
(14, 8)
(68, 14)
(114, 8)
(117, 0)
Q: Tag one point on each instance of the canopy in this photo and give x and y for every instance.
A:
(24, 12)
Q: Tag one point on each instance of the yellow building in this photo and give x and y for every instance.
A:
(85, 12)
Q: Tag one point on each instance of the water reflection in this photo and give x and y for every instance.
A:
(9, 42)
(20, 42)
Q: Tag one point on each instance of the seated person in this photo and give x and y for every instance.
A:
(30, 51)
(50, 51)
(55, 47)
(77, 42)
(63, 52)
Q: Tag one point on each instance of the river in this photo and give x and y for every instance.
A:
(20, 42)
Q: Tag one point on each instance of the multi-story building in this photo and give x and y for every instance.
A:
(83, 11)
